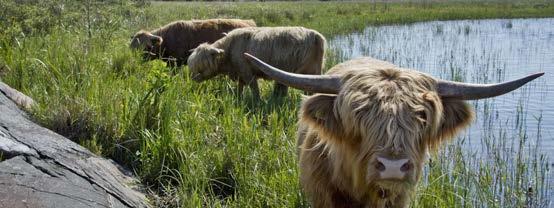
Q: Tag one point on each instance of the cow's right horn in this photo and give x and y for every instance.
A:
(312, 83)
(467, 91)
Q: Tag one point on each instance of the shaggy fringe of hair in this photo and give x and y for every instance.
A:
(202, 61)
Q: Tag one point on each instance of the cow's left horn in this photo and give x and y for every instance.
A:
(467, 91)
(311, 83)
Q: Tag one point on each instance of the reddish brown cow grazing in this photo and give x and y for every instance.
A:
(363, 143)
(173, 42)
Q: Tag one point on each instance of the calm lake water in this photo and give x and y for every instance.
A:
(478, 51)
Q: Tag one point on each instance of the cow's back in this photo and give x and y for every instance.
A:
(182, 36)
(202, 31)
(287, 48)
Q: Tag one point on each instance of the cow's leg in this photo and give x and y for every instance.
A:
(181, 62)
(253, 83)
(279, 89)
(170, 63)
(175, 66)
(240, 88)
(247, 77)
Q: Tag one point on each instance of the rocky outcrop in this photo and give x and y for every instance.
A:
(40, 168)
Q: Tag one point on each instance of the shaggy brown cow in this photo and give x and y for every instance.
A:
(294, 49)
(173, 42)
(363, 144)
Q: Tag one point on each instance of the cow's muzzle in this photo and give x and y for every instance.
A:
(393, 169)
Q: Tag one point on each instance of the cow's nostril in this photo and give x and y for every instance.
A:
(406, 167)
(380, 166)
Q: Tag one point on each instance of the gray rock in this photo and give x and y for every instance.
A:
(11, 147)
(16, 96)
(45, 169)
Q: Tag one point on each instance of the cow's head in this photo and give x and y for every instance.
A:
(384, 121)
(204, 62)
(148, 43)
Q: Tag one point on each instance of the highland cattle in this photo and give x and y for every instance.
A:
(173, 42)
(294, 49)
(364, 138)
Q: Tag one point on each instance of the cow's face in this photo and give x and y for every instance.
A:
(204, 62)
(385, 121)
(148, 43)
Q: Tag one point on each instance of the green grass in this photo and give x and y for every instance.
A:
(197, 145)
(332, 18)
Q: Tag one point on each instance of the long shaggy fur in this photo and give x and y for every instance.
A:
(293, 49)
(176, 39)
(380, 109)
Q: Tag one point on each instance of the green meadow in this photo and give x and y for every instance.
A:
(198, 144)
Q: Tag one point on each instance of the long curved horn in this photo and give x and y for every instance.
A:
(311, 83)
(466, 91)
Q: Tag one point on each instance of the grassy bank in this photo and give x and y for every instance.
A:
(332, 18)
(197, 145)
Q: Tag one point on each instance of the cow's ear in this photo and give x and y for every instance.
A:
(318, 112)
(456, 116)
(218, 53)
(156, 40)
